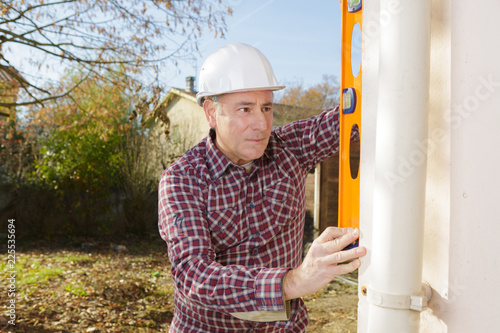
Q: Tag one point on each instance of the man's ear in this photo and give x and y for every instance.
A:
(209, 108)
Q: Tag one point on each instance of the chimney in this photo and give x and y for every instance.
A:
(190, 84)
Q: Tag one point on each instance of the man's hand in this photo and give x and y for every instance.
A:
(324, 261)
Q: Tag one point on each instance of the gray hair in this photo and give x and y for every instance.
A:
(216, 100)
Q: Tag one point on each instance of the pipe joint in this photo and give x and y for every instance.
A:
(417, 302)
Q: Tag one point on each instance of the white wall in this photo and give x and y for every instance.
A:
(475, 180)
(462, 228)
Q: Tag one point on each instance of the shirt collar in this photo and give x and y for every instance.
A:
(218, 162)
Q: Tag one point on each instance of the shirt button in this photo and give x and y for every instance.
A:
(257, 233)
(255, 252)
(252, 205)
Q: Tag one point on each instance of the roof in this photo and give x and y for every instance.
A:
(162, 105)
(171, 93)
(6, 75)
(10, 80)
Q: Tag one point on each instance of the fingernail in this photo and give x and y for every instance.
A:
(355, 232)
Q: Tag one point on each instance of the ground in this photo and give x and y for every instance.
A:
(333, 309)
(119, 286)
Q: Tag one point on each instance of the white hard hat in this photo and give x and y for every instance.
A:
(235, 67)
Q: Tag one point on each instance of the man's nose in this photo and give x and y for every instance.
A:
(260, 120)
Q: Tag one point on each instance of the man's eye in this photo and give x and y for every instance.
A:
(267, 109)
(245, 110)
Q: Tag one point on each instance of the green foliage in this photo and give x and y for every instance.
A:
(73, 160)
(82, 144)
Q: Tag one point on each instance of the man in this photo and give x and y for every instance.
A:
(232, 208)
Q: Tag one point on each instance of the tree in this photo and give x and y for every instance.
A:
(318, 97)
(17, 144)
(98, 35)
(80, 134)
(80, 156)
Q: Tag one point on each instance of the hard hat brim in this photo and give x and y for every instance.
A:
(200, 96)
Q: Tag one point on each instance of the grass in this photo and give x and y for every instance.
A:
(75, 290)
(33, 272)
(39, 270)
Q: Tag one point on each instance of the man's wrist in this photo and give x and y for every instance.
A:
(289, 285)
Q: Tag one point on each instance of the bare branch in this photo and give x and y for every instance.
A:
(46, 99)
(101, 34)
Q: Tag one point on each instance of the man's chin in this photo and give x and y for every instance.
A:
(255, 155)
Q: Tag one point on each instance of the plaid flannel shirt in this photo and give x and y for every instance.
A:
(232, 234)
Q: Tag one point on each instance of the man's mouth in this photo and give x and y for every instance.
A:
(256, 140)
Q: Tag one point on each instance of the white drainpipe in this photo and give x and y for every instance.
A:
(395, 292)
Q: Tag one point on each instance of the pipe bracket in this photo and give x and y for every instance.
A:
(417, 302)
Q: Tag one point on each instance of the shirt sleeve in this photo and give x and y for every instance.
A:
(246, 293)
(314, 139)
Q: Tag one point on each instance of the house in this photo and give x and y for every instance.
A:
(179, 119)
(179, 123)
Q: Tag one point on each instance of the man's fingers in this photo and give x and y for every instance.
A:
(348, 267)
(343, 256)
(331, 233)
(339, 243)
(331, 244)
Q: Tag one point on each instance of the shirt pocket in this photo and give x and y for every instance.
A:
(226, 229)
(281, 203)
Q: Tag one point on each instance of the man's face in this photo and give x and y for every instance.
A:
(243, 124)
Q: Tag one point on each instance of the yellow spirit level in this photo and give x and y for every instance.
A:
(350, 116)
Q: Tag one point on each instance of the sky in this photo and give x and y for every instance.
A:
(300, 38)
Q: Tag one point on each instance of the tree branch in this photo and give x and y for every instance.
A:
(46, 99)
(91, 34)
